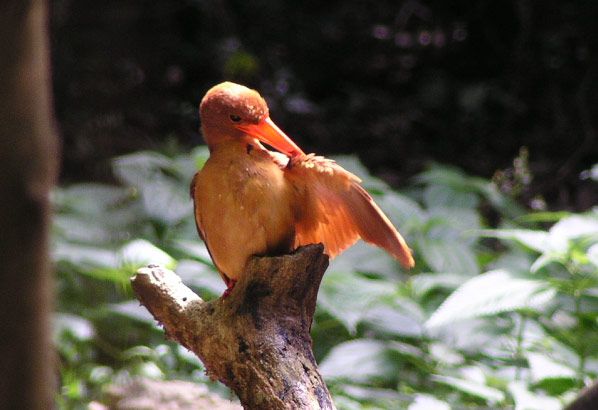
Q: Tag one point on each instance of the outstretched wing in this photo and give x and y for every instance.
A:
(333, 208)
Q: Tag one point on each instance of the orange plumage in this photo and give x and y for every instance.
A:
(249, 200)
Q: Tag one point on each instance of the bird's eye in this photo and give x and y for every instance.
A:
(235, 118)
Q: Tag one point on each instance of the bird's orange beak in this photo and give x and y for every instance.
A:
(268, 132)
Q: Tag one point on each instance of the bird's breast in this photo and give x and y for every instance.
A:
(244, 207)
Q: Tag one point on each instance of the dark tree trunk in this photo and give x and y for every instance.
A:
(256, 341)
(28, 167)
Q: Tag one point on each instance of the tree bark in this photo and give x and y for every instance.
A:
(28, 158)
(256, 341)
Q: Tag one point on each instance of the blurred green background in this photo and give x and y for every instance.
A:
(472, 124)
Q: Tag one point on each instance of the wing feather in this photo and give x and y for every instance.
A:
(333, 208)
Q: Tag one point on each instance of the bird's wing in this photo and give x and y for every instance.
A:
(333, 208)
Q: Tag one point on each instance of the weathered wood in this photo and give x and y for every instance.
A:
(256, 341)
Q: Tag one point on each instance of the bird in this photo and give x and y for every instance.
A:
(250, 200)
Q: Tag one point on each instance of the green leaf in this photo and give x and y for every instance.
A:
(394, 320)
(77, 326)
(89, 198)
(427, 402)
(140, 252)
(403, 212)
(448, 197)
(535, 240)
(359, 361)
(194, 250)
(593, 254)
(134, 310)
(527, 400)
(165, 199)
(447, 256)
(348, 296)
(490, 394)
(458, 223)
(491, 293)
(200, 275)
(424, 283)
(576, 226)
(352, 164)
(84, 257)
(137, 168)
(542, 367)
(365, 258)
(536, 217)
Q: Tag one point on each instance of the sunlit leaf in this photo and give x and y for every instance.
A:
(83, 256)
(138, 168)
(491, 293)
(89, 198)
(404, 212)
(447, 256)
(544, 260)
(77, 326)
(445, 196)
(570, 228)
(426, 282)
(348, 296)
(428, 402)
(134, 310)
(528, 400)
(194, 250)
(165, 200)
(392, 319)
(359, 361)
(200, 275)
(352, 164)
(140, 252)
(544, 216)
(454, 223)
(365, 258)
(490, 394)
(542, 367)
(593, 254)
(386, 397)
(535, 240)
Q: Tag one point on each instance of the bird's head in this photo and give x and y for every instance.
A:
(231, 111)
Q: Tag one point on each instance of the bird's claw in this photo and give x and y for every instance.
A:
(230, 284)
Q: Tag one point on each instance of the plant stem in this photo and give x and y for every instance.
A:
(519, 347)
(581, 350)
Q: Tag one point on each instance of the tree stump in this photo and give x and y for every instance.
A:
(256, 341)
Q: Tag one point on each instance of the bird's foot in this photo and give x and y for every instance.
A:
(230, 284)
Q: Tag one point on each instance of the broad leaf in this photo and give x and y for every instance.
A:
(593, 254)
(542, 368)
(404, 212)
(427, 402)
(445, 196)
(140, 252)
(535, 240)
(490, 394)
(447, 256)
(491, 293)
(200, 275)
(359, 361)
(348, 296)
(527, 400)
(81, 328)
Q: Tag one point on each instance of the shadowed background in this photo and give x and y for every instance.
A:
(400, 83)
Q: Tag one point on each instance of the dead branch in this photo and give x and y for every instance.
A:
(257, 340)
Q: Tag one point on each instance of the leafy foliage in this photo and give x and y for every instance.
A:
(492, 316)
